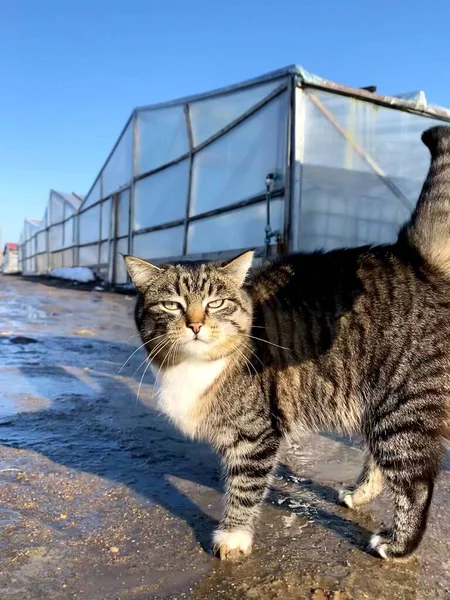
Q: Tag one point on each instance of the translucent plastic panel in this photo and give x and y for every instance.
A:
(165, 243)
(242, 228)
(57, 260)
(68, 257)
(88, 255)
(41, 241)
(162, 197)
(123, 214)
(234, 167)
(42, 263)
(56, 209)
(118, 170)
(161, 137)
(94, 195)
(104, 252)
(106, 218)
(387, 137)
(30, 229)
(346, 208)
(89, 225)
(120, 276)
(56, 237)
(69, 210)
(209, 116)
(69, 233)
(29, 265)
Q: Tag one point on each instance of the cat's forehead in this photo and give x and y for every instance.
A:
(202, 280)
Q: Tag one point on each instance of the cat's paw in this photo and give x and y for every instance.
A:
(345, 497)
(232, 545)
(384, 545)
(379, 544)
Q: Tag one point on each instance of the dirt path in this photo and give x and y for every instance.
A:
(102, 500)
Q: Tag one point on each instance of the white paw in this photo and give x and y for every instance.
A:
(379, 545)
(232, 545)
(345, 497)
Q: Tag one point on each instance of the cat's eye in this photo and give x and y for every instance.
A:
(171, 305)
(216, 303)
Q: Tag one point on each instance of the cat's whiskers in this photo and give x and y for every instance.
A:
(266, 342)
(163, 361)
(149, 362)
(150, 355)
(247, 361)
(137, 350)
(254, 353)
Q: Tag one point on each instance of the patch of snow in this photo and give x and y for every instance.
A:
(81, 274)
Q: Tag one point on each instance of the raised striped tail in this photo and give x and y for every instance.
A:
(429, 228)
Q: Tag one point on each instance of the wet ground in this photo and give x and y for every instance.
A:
(102, 500)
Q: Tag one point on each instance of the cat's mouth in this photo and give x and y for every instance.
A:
(197, 339)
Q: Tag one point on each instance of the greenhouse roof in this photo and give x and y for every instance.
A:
(73, 199)
(407, 101)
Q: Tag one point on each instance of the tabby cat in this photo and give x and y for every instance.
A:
(355, 341)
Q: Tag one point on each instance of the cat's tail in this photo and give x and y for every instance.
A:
(428, 231)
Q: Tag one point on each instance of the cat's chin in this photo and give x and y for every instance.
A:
(197, 349)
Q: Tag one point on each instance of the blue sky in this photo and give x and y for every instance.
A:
(71, 72)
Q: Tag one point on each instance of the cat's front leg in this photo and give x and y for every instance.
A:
(249, 463)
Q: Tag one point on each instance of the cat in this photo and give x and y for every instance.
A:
(354, 340)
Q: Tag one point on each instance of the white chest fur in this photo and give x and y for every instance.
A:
(181, 390)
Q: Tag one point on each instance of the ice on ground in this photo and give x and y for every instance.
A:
(81, 274)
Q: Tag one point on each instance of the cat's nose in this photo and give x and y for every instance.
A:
(195, 327)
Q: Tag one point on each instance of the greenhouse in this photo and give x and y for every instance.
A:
(281, 163)
(51, 242)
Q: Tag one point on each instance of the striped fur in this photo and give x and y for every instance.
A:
(354, 341)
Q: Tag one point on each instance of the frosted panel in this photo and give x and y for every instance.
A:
(56, 237)
(161, 137)
(68, 210)
(104, 252)
(68, 257)
(343, 201)
(390, 138)
(234, 167)
(106, 218)
(57, 258)
(89, 224)
(123, 214)
(56, 209)
(118, 170)
(346, 208)
(211, 115)
(159, 244)
(69, 238)
(41, 241)
(94, 195)
(88, 255)
(242, 228)
(162, 197)
(120, 269)
(42, 263)
(30, 229)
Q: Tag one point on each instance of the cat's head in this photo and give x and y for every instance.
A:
(187, 311)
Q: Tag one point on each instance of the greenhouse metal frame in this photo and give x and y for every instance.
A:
(285, 162)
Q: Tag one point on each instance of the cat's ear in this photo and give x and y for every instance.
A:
(141, 271)
(239, 267)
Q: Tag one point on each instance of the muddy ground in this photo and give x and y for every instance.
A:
(102, 500)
